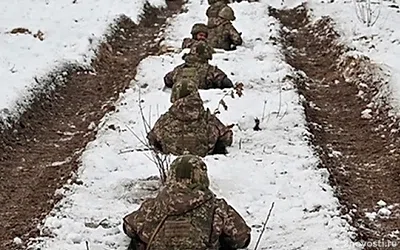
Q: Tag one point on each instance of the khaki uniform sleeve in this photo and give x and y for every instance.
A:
(234, 35)
(152, 138)
(155, 134)
(215, 76)
(234, 231)
(187, 43)
(225, 134)
(169, 79)
(133, 223)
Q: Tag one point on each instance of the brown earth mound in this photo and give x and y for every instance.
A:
(39, 152)
(355, 135)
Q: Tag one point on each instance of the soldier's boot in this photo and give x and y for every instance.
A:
(219, 148)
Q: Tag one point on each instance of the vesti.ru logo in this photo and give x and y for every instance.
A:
(380, 243)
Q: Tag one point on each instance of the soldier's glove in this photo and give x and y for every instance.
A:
(224, 245)
(232, 47)
(136, 244)
(226, 83)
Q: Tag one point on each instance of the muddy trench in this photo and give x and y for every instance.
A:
(354, 133)
(40, 151)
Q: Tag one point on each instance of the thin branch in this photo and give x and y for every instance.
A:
(160, 160)
(264, 226)
(263, 113)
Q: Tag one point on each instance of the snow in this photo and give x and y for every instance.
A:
(17, 241)
(381, 42)
(71, 33)
(381, 203)
(275, 164)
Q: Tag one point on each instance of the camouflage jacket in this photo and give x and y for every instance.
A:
(188, 42)
(213, 9)
(180, 217)
(222, 34)
(188, 126)
(207, 76)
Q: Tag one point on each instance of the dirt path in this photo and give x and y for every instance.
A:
(360, 151)
(41, 150)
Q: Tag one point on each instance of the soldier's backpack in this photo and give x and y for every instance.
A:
(192, 136)
(196, 72)
(191, 230)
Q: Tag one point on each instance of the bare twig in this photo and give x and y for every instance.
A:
(238, 90)
(130, 150)
(284, 113)
(366, 13)
(158, 158)
(264, 226)
(263, 113)
(280, 99)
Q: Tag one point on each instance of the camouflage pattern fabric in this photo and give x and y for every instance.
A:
(183, 88)
(220, 131)
(189, 170)
(216, 1)
(207, 76)
(196, 67)
(186, 214)
(188, 43)
(201, 51)
(199, 28)
(214, 9)
(188, 127)
(222, 34)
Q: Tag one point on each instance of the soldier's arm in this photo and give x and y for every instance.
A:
(152, 138)
(235, 36)
(235, 232)
(187, 43)
(134, 222)
(218, 78)
(225, 133)
(168, 79)
(154, 135)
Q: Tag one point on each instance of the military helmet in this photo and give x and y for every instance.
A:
(215, 1)
(201, 50)
(189, 169)
(227, 13)
(182, 88)
(199, 27)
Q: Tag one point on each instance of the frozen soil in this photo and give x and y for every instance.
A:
(40, 151)
(353, 130)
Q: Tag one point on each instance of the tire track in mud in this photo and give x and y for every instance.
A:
(40, 151)
(353, 130)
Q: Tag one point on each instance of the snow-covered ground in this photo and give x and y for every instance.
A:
(381, 42)
(71, 33)
(272, 165)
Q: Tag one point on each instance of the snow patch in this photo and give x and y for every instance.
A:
(72, 31)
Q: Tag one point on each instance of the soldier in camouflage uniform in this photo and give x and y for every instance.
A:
(221, 33)
(196, 67)
(187, 126)
(199, 33)
(186, 214)
(214, 9)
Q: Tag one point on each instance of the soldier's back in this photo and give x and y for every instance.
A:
(219, 33)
